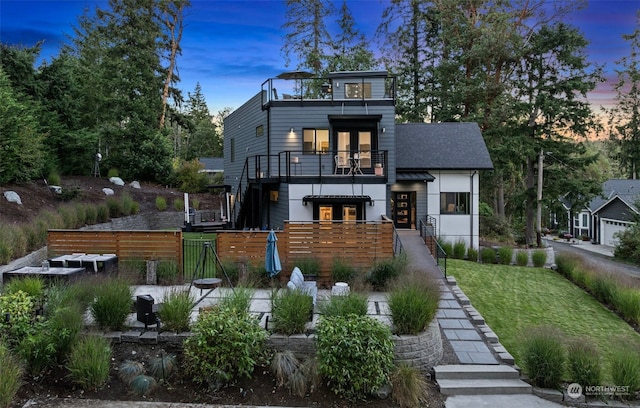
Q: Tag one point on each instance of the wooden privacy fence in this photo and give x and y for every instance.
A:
(359, 244)
(127, 245)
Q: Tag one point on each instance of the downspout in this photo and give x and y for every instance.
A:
(471, 199)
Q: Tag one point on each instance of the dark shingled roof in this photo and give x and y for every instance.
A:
(626, 190)
(441, 146)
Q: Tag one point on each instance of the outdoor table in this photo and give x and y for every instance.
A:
(50, 274)
(93, 262)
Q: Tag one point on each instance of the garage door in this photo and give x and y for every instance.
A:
(609, 228)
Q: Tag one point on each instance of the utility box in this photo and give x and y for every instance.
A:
(145, 310)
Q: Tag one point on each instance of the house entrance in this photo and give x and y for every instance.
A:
(403, 209)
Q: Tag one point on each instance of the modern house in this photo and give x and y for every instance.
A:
(329, 150)
(613, 211)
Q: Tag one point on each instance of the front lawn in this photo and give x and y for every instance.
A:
(512, 299)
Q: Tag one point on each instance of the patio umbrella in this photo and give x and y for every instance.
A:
(295, 75)
(272, 261)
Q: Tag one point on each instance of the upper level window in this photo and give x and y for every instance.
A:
(315, 141)
(454, 203)
(357, 90)
(232, 145)
(259, 130)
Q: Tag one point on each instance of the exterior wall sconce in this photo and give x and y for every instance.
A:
(382, 130)
(291, 130)
(295, 160)
(372, 203)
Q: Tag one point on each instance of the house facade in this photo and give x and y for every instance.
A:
(611, 212)
(329, 150)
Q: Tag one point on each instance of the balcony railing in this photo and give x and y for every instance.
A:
(289, 165)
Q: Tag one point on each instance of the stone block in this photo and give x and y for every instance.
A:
(148, 337)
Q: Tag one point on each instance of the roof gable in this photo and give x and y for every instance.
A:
(627, 191)
(441, 146)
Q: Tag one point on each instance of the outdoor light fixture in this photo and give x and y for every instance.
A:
(291, 130)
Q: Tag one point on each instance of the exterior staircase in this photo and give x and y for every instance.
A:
(466, 379)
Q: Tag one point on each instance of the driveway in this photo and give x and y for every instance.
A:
(596, 259)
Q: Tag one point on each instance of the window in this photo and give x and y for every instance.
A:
(315, 141)
(454, 203)
(357, 90)
(259, 130)
(233, 149)
(584, 220)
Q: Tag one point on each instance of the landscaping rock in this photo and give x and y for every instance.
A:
(117, 181)
(12, 197)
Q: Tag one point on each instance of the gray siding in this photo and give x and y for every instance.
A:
(617, 210)
(280, 209)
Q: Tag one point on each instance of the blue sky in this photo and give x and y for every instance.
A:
(231, 47)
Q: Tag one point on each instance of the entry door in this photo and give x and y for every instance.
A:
(352, 141)
(402, 209)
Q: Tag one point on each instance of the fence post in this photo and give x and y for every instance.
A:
(152, 272)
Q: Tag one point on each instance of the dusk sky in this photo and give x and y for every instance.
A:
(231, 47)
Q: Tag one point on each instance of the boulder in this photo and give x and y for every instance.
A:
(12, 197)
(108, 191)
(117, 181)
(135, 184)
(56, 189)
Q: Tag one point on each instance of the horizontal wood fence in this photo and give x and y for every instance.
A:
(360, 245)
(127, 245)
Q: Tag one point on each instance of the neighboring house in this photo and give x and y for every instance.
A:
(305, 149)
(211, 166)
(612, 211)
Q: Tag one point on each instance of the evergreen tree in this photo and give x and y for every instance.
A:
(624, 118)
(350, 49)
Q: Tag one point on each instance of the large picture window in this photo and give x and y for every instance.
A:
(454, 203)
(358, 90)
(315, 141)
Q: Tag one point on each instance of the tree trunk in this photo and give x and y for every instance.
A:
(530, 202)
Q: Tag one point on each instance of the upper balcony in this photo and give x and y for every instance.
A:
(340, 167)
(299, 87)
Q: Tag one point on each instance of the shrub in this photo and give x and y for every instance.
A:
(409, 386)
(31, 285)
(413, 304)
(143, 384)
(627, 302)
(69, 219)
(447, 247)
(472, 254)
(20, 307)
(342, 270)
(543, 356)
(178, 204)
(308, 266)
(351, 304)
(102, 213)
(129, 369)
(505, 254)
(81, 214)
(90, 215)
(127, 204)
(112, 304)
(54, 178)
(604, 288)
(115, 207)
(167, 272)
(37, 350)
(567, 264)
(113, 173)
(522, 258)
(628, 246)
(237, 299)
(226, 343)
(161, 203)
(89, 362)
(625, 368)
(290, 311)
(354, 354)
(283, 365)
(195, 203)
(584, 363)
(386, 270)
(459, 249)
(189, 177)
(133, 269)
(175, 312)
(488, 255)
(163, 365)
(539, 258)
(10, 377)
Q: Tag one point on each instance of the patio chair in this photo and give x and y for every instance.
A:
(342, 163)
(297, 282)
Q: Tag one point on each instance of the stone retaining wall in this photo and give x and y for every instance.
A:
(153, 221)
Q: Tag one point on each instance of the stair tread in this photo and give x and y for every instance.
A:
(483, 387)
(478, 372)
(483, 383)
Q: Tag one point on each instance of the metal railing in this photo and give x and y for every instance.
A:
(428, 234)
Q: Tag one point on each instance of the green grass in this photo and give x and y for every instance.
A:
(512, 298)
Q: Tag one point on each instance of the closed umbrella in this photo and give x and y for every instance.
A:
(272, 261)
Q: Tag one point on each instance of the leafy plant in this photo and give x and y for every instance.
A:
(112, 304)
(178, 204)
(290, 311)
(10, 377)
(505, 254)
(342, 270)
(354, 303)
(387, 270)
(584, 363)
(539, 257)
(238, 299)
(522, 258)
(544, 356)
(89, 361)
(226, 343)
(354, 354)
(175, 312)
(31, 285)
(413, 304)
(283, 365)
(308, 266)
(113, 173)
(20, 308)
(408, 385)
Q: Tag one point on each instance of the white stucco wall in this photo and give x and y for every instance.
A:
(300, 212)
